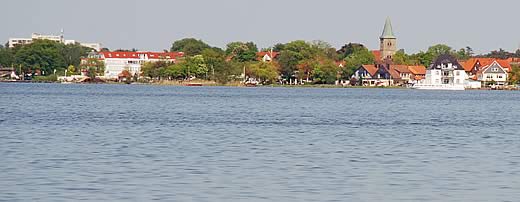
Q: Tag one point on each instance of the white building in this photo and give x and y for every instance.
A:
(493, 74)
(444, 74)
(117, 62)
(57, 38)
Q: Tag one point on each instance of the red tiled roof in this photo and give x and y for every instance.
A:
(417, 70)
(377, 55)
(400, 68)
(470, 63)
(394, 73)
(372, 69)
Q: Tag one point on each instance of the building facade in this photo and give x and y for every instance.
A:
(116, 62)
(445, 72)
(57, 38)
(493, 74)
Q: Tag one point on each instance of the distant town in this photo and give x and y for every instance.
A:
(189, 61)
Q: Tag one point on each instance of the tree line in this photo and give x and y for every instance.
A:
(314, 61)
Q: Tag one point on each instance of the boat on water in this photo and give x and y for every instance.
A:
(193, 84)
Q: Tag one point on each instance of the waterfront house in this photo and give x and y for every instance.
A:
(444, 73)
(377, 75)
(493, 74)
(473, 65)
(417, 72)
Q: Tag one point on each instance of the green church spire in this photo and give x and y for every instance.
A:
(388, 33)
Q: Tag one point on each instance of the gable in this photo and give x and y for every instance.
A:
(494, 68)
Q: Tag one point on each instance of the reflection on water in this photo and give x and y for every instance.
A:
(140, 143)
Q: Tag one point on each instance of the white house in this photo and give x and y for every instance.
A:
(117, 62)
(444, 73)
(493, 73)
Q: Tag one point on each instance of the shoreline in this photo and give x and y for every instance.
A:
(235, 84)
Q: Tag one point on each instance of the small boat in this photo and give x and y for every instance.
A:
(193, 84)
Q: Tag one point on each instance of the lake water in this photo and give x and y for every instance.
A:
(140, 143)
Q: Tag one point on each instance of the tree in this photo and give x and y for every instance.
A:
(44, 55)
(324, 49)
(440, 49)
(242, 52)
(72, 53)
(215, 60)
(6, 57)
(423, 58)
(348, 49)
(189, 46)
(464, 53)
(514, 76)
(288, 61)
(126, 50)
(93, 66)
(71, 69)
(266, 72)
(500, 53)
(155, 70)
(325, 73)
(401, 58)
(195, 66)
(359, 57)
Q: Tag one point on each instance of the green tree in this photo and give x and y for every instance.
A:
(242, 52)
(93, 66)
(349, 49)
(359, 57)
(325, 73)
(44, 55)
(514, 76)
(423, 58)
(195, 66)
(189, 46)
(440, 49)
(288, 61)
(215, 60)
(265, 72)
(71, 69)
(6, 57)
(72, 53)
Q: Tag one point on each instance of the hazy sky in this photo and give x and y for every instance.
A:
(155, 24)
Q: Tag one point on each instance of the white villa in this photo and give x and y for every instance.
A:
(493, 73)
(444, 74)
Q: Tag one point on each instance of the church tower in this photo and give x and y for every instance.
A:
(388, 42)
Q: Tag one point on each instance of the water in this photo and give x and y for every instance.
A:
(141, 143)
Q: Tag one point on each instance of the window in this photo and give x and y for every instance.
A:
(438, 73)
(457, 73)
(458, 81)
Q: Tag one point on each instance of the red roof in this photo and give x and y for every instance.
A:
(377, 55)
(417, 70)
(150, 55)
(470, 64)
(372, 69)
(272, 55)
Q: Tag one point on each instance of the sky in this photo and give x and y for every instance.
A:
(154, 24)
